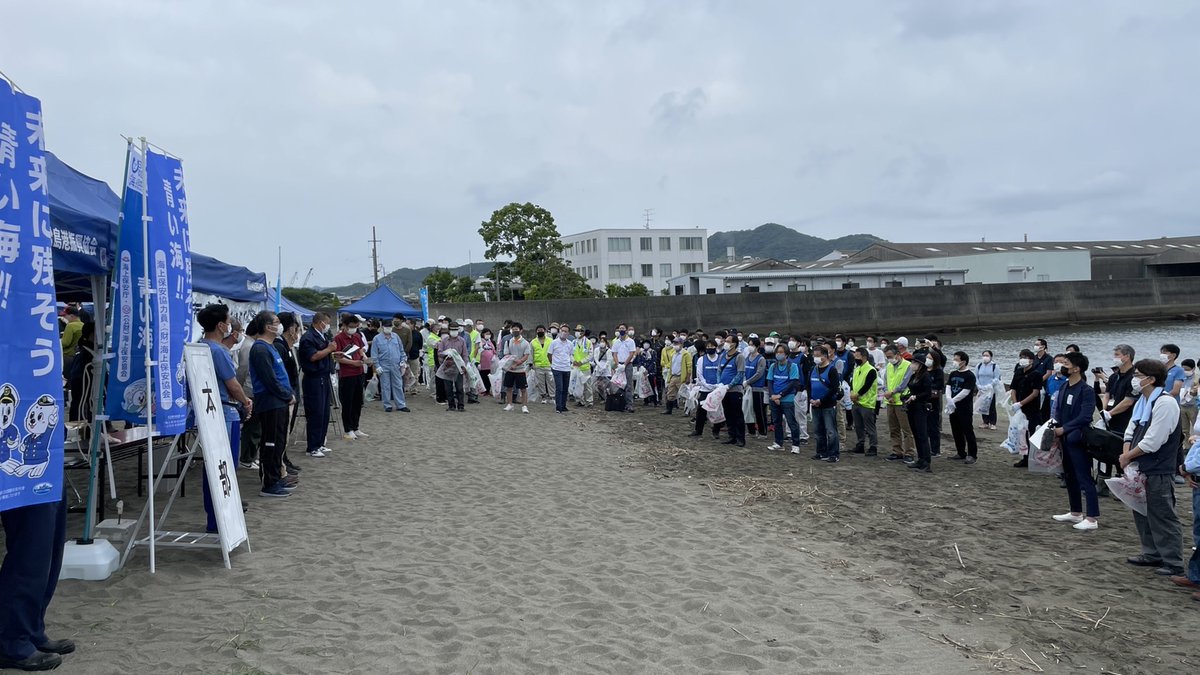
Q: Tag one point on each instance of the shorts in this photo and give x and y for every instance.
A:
(515, 381)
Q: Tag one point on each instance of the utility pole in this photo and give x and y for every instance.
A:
(375, 256)
(649, 214)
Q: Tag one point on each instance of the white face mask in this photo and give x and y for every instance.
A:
(478, 326)
(277, 329)
(820, 360)
(630, 333)
(1137, 383)
(1188, 373)
(1164, 357)
(1024, 363)
(895, 361)
(228, 331)
(1116, 362)
(792, 344)
(453, 332)
(387, 330)
(1037, 348)
(839, 344)
(929, 363)
(553, 332)
(351, 331)
(987, 359)
(578, 333)
(958, 365)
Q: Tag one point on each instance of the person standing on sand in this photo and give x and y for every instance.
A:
(676, 366)
(1074, 406)
(864, 394)
(986, 372)
(825, 389)
(543, 376)
(560, 353)
(1025, 391)
(351, 371)
(917, 406)
(625, 350)
(1152, 440)
(783, 381)
(960, 388)
(895, 390)
(515, 378)
(450, 372)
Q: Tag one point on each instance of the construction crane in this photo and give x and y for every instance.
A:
(295, 276)
(307, 277)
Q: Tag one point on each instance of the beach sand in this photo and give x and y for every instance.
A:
(498, 542)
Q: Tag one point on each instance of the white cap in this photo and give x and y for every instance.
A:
(902, 341)
(751, 336)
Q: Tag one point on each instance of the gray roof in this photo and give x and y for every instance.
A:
(1138, 247)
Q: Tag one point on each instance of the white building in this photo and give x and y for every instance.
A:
(647, 256)
(985, 263)
(767, 276)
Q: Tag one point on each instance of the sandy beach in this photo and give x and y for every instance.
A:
(594, 542)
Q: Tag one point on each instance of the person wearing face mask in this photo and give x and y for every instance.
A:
(877, 357)
(543, 376)
(450, 372)
(918, 407)
(272, 399)
(676, 365)
(1118, 398)
(625, 350)
(603, 359)
(1053, 383)
(961, 386)
(351, 369)
(553, 330)
(895, 382)
(756, 386)
(487, 359)
(285, 344)
(316, 352)
(390, 358)
(935, 363)
(436, 333)
(783, 381)
(1168, 355)
(1151, 440)
(1187, 397)
(824, 391)
(1074, 405)
(708, 376)
(647, 359)
(215, 322)
(251, 432)
(581, 358)
(986, 373)
(516, 380)
(843, 360)
(1025, 392)
(560, 353)
(733, 375)
(864, 394)
(798, 354)
(415, 343)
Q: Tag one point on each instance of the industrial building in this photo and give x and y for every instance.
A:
(647, 256)
(769, 275)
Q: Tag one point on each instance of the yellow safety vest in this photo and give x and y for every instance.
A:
(859, 378)
(583, 354)
(895, 375)
(541, 352)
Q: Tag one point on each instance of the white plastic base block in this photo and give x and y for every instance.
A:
(91, 562)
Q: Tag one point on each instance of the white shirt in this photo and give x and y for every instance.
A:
(624, 349)
(561, 353)
(603, 363)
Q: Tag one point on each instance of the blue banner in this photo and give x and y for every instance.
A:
(165, 320)
(31, 385)
(424, 294)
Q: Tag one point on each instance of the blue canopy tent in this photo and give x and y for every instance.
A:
(213, 277)
(381, 303)
(286, 305)
(83, 215)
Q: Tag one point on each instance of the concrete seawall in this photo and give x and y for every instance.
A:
(942, 309)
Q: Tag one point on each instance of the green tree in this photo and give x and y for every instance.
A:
(440, 283)
(463, 290)
(527, 233)
(614, 290)
(637, 290)
(312, 299)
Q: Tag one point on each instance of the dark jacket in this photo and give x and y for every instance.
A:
(289, 362)
(1073, 409)
(267, 374)
(311, 343)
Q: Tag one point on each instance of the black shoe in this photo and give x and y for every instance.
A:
(935, 453)
(970, 460)
(39, 661)
(245, 506)
(732, 441)
(872, 453)
(1144, 561)
(716, 433)
(405, 408)
(894, 458)
(958, 458)
(741, 444)
(696, 433)
(923, 467)
(1162, 572)
(859, 451)
(833, 459)
(57, 647)
(1022, 464)
(818, 458)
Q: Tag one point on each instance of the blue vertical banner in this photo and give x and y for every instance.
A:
(162, 319)
(31, 385)
(424, 294)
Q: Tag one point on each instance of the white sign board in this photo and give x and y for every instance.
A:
(219, 468)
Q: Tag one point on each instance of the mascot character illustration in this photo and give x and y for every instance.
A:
(10, 435)
(135, 398)
(40, 422)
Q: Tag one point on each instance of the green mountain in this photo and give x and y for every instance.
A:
(782, 243)
(407, 280)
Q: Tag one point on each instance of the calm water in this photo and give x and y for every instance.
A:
(1096, 342)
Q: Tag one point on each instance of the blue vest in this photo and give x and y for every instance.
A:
(710, 371)
(728, 369)
(752, 368)
(820, 383)
(781, 376)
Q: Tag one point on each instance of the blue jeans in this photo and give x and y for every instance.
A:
(391, 386)
(562, 381)
(825, 431)
(1194, 563)
(781, 411)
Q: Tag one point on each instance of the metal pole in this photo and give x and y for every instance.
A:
(374, 256)
(146, 292)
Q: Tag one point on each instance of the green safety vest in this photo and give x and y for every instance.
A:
(583, 354)
(868, 399)
(895, 375)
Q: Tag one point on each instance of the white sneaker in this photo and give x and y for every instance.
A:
(508, 407)
(361, 434)
(1068, 518)
(774, 446)
(1086, 525)
(349, 435)
(795, 449)
(544, 401)
(325, 449)
(315, 453)
(525, 409)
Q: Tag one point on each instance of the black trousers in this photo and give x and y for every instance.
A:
(350, 393)
(274, 437)
(732, 405)
(760, 411)
(964, 434)
(918, 421)
(34, 538)
(316, 410)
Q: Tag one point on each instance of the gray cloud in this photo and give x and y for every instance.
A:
(929, 119)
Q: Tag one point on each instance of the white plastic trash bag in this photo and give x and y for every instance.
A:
(691, 400)
(644, 389)
(748, 408)
(1042, 437)
(579, 383)
(1016, 443)
(712, 404)
(846, 403)
(618, 378)
(1130, 488)
(983, 400)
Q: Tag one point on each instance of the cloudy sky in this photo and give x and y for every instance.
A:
(304, 123)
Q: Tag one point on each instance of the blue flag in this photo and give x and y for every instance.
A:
(31, 387)
(424, 295)
(165, 322)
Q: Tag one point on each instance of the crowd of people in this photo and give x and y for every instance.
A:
(789, 390)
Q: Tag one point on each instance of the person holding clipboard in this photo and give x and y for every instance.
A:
(351, 359)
